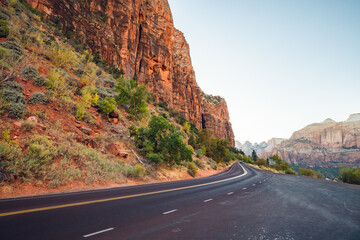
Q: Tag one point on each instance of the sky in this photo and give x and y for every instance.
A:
(279, 64)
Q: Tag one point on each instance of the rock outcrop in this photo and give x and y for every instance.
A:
(139, 37)
(325, 144)
(261, 148)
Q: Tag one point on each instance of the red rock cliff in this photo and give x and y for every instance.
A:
(139, 37)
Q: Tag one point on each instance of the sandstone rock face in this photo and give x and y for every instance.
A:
(325, 144)
(139, 37)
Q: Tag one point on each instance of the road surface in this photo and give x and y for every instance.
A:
(241, 203)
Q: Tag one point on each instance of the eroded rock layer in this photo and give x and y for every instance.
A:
(139, 37)
(325, 144)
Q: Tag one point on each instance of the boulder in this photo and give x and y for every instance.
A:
(86, 130)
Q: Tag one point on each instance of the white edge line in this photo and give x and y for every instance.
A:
(208, 200)
(95, 233)
(171, 211)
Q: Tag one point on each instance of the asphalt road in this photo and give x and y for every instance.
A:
(232, 205)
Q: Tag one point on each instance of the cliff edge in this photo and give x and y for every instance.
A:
(139, 37)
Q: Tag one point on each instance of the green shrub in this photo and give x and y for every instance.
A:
(27, 125)
(261, 162)
(39, 81)
(13, 96)
(162, 138)
(9, 155)
(63, 57)
(199, 164)
(350, 175)
(199, 153)
(17, 110)
(139, 171)
(16, 49)
(38, 98)
(104, 92)
(108, 105)
(12, 85)
(212, 164)
(192, 169)
(4, 14)
(155, 158)
(310, 173)
(4, 29)
(29, 72)
(133, 97)
(290, 171)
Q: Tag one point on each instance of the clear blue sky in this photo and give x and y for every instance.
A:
(280, 64)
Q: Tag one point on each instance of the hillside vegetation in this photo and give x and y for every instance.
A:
(67, 116)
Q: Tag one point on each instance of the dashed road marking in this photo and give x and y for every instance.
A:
(98, 232)
(244, 188)
(230, 193)
(171, 211)
(254, 184)
(208, 200)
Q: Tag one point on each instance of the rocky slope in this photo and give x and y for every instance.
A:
(261, 148)
(325, 144)
(139, 37)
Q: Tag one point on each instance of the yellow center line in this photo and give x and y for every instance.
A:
(115, 198)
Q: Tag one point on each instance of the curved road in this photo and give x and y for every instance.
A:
(241, 203)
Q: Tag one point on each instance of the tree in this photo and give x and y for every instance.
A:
(219, 149)
(192, 141)
(261, 162)
(161, 142)
(276, 159)
(132, 96)
(254, 155)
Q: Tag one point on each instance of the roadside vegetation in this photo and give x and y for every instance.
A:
(275, 164)
(349, 175)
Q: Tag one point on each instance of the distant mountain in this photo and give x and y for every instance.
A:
(260, 148)
(325, 144)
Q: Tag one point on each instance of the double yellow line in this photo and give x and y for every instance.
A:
(115, 198)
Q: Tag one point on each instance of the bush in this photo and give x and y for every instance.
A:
(13, 96)
(290, 171)
(212, 164)
(12, 85)
(4, 29)
(16, 49)
(38, 98)
(29, 72)
(155, 158)
(108, 105)
(17, 110)
(27, 125)
(4, 14)
(9, 155)
(39, 81)
(192, 169)
(137, 171)
(162, 138)
(310, 173)
(199, 153)
(63, 57)
(199, 164)
(104, 92)
(350, 175)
